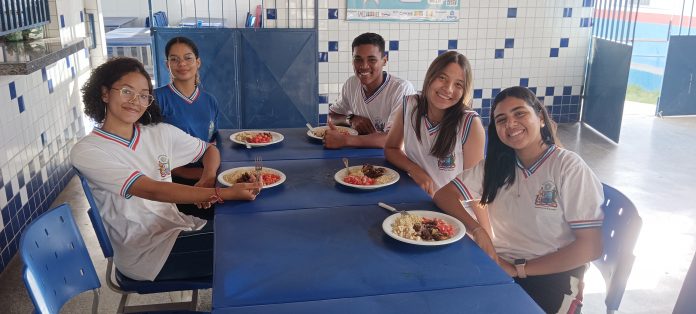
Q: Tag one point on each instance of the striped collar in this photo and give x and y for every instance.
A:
(536, 164)
(431, 127)
(190, 100)
(385, 79)
(132, 143)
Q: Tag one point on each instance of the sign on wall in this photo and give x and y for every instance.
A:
(403, 10)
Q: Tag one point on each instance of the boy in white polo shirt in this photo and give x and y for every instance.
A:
(370, 99)
(544, 203)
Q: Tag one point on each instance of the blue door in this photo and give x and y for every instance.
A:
(678, 96)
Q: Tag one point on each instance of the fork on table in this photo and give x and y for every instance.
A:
(258, 167)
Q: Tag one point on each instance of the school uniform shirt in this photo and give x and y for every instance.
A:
(537, 214)
(440, 170)
(142, 232)
(197, 115)
(381, 108)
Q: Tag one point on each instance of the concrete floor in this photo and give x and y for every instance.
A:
(653, 165)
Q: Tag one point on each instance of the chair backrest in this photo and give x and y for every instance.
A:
(95, 218)
(57, 264)
(619, 234)
(686, 302)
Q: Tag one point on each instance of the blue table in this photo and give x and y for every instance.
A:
(310, 183)
(504, 298)
(295, 145)
(114, 22)
(336, 252)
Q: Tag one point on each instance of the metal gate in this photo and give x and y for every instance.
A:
(609, 61)
(678, 96)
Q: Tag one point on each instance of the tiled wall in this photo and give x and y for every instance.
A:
(40, 120)
(539, 44)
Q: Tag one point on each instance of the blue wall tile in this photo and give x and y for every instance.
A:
(333, 14)
(20, 103)
(567, 90)
(62, 21)
(44, 74)
(534, 90)
(394, 45)
(486, 103)
(549, 91)
(323, 98)
(478, 93)
(50, 86)
(82, 16)
(512, 12)
(524, 82)
(333, 46)
(588, 3)
(564, 42)
(452, 44)
(495, 92)
(499, 53)
(585, 22)
(439, 52)
(567, 12)
(323, 57)
(553, 53)
(509, 43)
(13, 90)
(271, 14)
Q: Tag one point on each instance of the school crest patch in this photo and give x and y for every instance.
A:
(446, 163)
(547, 197)
(379, 125)
(163, 166)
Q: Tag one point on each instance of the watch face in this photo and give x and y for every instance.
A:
(520, 261)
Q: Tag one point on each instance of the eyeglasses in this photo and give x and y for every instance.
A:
(130, 95)
(187, 60)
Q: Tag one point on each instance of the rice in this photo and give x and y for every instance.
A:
(231, 178)
(403, 226)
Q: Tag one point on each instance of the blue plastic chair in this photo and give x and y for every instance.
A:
(125, 286)
(619, 234)
(686, 302)
(57, 266)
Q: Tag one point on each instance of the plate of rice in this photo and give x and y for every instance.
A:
(256, 138)
(422, 227)
(367, 177)
(319, 132)
(271, 177)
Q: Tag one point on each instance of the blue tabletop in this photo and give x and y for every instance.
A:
(339, 252)
(505, 298)
(310, 183)
(295, 145)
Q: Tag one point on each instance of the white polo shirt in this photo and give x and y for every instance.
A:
(142, 232)
(440, 170)
(381, 108)
(536, 215)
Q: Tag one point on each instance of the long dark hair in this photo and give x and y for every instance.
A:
(105, 76)
(447, 136)
(499, 167)
(181, 40)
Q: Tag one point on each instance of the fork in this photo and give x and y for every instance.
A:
(258, 166)
(392, 209)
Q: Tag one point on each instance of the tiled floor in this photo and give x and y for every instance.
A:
(653, 165)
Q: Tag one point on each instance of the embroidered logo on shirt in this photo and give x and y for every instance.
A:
(447, 163)
(379, 125)
(163, 166)
(547, 197)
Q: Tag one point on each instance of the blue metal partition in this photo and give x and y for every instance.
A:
(265, 78)
(278, 78)
(678, 96)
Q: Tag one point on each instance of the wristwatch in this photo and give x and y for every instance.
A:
(348, 117)
(520, 263)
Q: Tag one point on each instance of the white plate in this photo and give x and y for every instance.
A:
(342, 173)
(275, 138)
(251, 169)
(458, 226)
(323, 128)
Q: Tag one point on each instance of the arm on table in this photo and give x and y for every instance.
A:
(394, 153)
(450, 201)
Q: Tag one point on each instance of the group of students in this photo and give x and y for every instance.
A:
(531, 205)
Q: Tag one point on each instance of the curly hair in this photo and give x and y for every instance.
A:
(106, 75)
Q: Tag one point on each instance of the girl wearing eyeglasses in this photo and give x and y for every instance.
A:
(128, 160)
(543, 201)
(185, 105)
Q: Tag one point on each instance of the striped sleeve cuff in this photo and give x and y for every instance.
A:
(201, 150)
(129, 182)
(462, 189)
(580, 224)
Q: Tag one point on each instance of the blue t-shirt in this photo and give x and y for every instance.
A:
(196, 115)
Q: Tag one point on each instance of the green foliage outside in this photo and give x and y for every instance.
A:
(639, 94)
